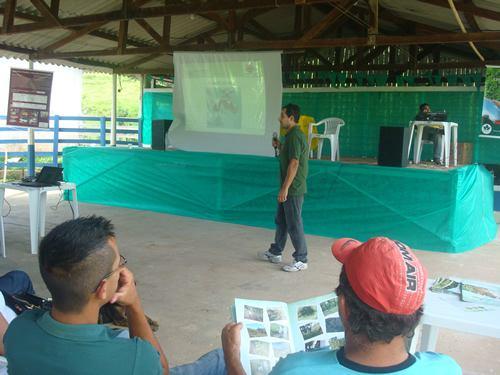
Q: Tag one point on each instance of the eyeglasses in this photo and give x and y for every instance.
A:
(123, 262)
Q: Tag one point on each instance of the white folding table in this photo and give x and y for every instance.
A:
(450, 131)
(37, 208)
(447, 311)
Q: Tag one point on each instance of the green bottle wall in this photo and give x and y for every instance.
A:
(363, 112)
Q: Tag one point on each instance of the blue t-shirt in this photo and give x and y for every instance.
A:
(35, 343)
(329, 362)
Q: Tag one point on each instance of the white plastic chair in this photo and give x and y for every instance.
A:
(331, 132)
(6, 161)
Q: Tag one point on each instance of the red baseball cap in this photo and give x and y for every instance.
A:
(385, 274)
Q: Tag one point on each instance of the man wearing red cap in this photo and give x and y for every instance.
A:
(381, 292)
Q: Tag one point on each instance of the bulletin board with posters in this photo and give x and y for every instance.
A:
(29, 98)
(488, 141)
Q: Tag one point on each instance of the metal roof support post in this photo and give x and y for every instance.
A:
(31, 142)
(112, 139)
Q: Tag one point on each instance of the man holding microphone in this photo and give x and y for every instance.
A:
(293, 157)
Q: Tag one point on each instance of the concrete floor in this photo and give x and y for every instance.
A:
(189, 271)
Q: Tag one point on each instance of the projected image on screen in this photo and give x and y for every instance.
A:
(224, 107)
(225, 98)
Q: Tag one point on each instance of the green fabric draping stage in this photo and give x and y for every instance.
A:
(450, 211)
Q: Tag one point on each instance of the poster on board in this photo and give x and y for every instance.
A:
(29, 98)
(490, 118)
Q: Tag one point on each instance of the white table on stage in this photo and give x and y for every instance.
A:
(447, 311)
(37, 208)
(450, 131)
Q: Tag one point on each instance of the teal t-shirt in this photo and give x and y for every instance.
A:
(329, 362)
(35, 343)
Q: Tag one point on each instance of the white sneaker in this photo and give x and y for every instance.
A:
(295, 266)
(270, 257)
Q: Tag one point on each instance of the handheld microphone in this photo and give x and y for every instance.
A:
(275, 143)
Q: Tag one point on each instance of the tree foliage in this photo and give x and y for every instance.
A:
(97, 91)
(492, 90)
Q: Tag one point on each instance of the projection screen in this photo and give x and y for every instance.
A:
(226, 102)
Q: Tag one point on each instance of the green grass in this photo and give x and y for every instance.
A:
(97, 91)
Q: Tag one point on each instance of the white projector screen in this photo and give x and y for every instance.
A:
(226, 102)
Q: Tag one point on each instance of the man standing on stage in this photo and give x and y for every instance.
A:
(293, 170)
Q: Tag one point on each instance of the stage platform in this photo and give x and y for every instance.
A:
(429, 209)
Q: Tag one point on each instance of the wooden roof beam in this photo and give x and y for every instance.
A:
(334, 15)
(8, 15)
(122, 36)
(202, 35)
(262, 30)
(470, 19)
(164, 71)
(167, 22)
(245, 18)
(137, 62)
(54, 7)
(373, 17)
(73, 36)
(150, 30)
(444, 38)
(158, 11)
(96, 33)
(298, 20)
(46, 11)
(253, 13)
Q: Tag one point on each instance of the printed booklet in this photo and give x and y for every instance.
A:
(272, 330)
(469, 290)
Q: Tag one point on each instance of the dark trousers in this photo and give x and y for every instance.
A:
(16, 282)
(289, 221)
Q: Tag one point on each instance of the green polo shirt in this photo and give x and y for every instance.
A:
(35, 343)
(295, 147)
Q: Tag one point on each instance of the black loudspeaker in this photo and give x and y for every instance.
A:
(158, 134)
(393, 146)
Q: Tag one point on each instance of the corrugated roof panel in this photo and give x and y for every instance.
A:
(488, 4)
(279, 21)
(187, 26)
(34, 40)
(428, 14)
(72, 8)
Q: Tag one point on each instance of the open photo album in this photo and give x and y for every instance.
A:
(272, 329)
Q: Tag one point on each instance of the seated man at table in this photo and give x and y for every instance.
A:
(83, 269)
(380, 295)
(434, 135)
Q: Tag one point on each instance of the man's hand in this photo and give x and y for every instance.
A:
(126, 295)
(231, 341)
(283, 195)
